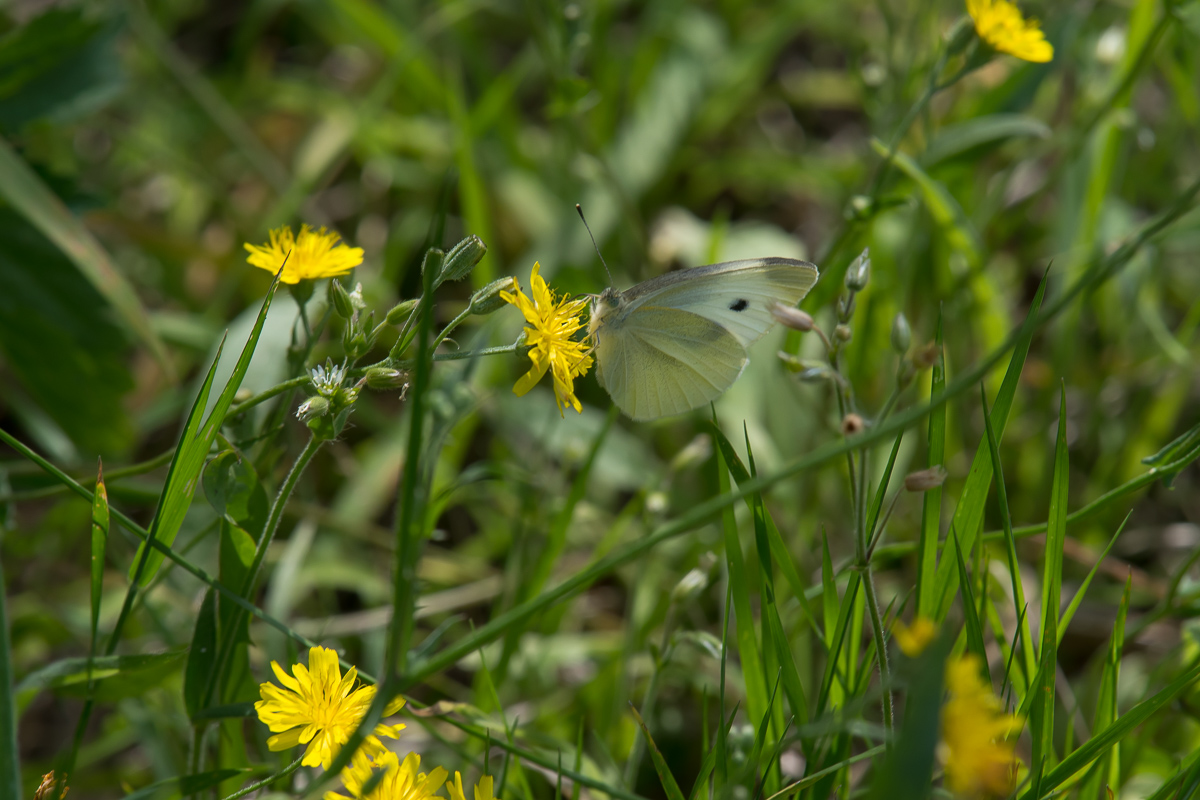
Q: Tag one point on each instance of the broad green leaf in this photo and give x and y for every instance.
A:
(660, 764)
(960, 138)
(931, 502)
(47, 307)
(968, 515)
(29, 196)
(233, 490)
(192, 451)
(202, 656)
(115, 676)
(1041, 717)
(59, 65)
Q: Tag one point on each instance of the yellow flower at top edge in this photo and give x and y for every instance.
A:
(314, 254)
(483, 789)
(977, 758)
(552, 322)
(320, 707)
(913, 639)
(1000, 24)
(401, 781)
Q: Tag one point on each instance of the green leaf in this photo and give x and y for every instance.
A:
(970, 610)
(1041, 717)
(100, 523)
(59, 65)
(234, 491)
(968, 515)
(877, 501)
(1107, 766)
(32, 199)
(192, 451)
(931, 503)
(660, 764)
(116, 676)
(1073, 606)
(959, 139)
(47, 308)
(202, 656)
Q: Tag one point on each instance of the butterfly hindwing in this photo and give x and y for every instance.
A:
(665, 361)
(737, 295)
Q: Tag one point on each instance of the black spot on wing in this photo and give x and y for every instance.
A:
(739, 305)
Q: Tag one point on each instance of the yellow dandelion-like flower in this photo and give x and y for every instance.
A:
(401, 781)
(977, 759)
(552, 322)
(1000, 24)
(314, 254)
(321, 708)
(483, 789)
(913, 639)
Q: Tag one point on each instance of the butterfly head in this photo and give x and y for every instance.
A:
(604, 305)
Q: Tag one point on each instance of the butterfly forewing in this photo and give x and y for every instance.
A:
(737, 295)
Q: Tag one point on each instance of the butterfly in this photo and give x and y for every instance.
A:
(678, 341)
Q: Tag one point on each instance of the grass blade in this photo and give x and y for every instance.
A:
(1067, 615)
(968, 516)
(1041, 718)
(660, 764)
(1108, 764)
(931, 503)
(970, 610)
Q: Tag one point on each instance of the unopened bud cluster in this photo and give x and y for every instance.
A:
(326, 412)
(358, 336)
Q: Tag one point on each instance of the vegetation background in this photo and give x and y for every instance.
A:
(141, 143)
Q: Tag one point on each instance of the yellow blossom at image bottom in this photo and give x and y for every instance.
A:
(977, 758)
(320, 707)
(401, 781)
(552, 322)
(483, 789)
(1000, 24)
(312, 254)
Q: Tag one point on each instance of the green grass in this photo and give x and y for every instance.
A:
(581, 605)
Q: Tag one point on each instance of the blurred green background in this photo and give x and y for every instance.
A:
(142, 143)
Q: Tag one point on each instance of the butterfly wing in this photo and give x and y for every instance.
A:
(665, 361)
(736, 295)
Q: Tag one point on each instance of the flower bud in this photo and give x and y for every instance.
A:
(901, 334)
(859, 272)
(807, 370)
(926, 479)
(842, 332)
(462, 258)
(488, 299)
(302, 291)
(313, 407)
(401, 312)
(852, 423)
(434, 259)
(791, 317)
(383, 378)
(341, 300)
(961, 34)
(859, 207)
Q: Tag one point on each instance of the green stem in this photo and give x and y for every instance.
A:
(885, 672)
(283, 773)
(262, 397)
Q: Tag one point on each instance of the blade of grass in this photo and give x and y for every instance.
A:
(1108, 765)
(931, 503)
(1041, 719)
(660, 764)
(970, 610)
(968, 515)
(1067, 615)
(1028, 660)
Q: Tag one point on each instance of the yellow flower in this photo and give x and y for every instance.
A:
(974, 726)
(314, 254)
(483, 789)
(401, 781)
(1000, 24)
(915, 638)
(321, 708)
(552, 323)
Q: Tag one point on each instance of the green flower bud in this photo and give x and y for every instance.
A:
(302, 291)
(842, 333)
(901, 334)
(434, 259)
(313, 407)
(961, 34)
(341, 300)
(401, 312)
(859, 272)
(462, 258)
(383, 378)
(488, 299)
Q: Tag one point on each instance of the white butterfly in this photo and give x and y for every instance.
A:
(678, 341)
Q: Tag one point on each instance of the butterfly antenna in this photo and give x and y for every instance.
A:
(579, 210)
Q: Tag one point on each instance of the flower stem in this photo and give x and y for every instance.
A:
(283, 773)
